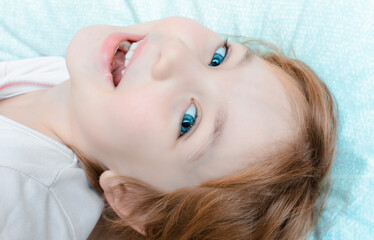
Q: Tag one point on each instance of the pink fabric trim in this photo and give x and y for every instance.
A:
(25, 83)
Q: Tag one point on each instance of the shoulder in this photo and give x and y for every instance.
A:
(45, 188)
(66, 209)
(30, 208)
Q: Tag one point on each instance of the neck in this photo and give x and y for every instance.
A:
(45, 111)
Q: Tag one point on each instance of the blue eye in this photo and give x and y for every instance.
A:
(188, 119)
(219, 55)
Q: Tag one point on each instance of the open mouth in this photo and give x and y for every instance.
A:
(122, 58)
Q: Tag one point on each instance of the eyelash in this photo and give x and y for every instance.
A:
(195, 117)
(227, 48)
(222, 58)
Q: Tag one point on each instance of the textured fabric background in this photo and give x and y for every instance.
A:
(336, 38)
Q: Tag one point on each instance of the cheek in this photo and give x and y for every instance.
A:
(138, 118)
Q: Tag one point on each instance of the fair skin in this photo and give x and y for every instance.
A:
(133, 129)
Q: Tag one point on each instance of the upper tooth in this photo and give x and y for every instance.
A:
(130, 52)
(134, 45)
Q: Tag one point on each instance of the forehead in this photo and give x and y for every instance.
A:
(260, 109)
(259, 113)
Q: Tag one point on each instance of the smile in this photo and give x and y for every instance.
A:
(117, 54)
(121, 59)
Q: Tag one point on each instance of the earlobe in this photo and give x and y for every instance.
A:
(113, 194)
(108, 180)
(115, 191)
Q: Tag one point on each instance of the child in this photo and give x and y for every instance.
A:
(187, 137)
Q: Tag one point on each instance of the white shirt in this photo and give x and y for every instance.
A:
(44, 192)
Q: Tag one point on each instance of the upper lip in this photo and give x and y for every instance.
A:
(136, 52)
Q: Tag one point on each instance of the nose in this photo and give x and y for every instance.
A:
(175, 60)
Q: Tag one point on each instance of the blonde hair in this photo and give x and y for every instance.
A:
(280, 197)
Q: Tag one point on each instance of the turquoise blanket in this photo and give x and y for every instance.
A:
(336, 38)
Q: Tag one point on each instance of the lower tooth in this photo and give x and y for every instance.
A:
(125, 46)
(123, 71)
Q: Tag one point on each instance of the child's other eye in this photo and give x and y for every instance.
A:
(189, 119)
(219, 55)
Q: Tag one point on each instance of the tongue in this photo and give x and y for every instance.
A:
(118, 66)
(117, 75)
(118, 59)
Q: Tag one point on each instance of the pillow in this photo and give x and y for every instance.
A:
(335, 38)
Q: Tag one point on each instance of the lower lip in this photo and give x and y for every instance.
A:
(108, 48)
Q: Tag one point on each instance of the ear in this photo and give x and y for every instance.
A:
(108, 180)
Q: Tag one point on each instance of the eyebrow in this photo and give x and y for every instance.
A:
(218, 127)
(247, 57)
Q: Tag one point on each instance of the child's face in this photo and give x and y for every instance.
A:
(134, 128)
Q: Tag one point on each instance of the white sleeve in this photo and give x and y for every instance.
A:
(28, 210)
(3, 67)
(26, 75)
